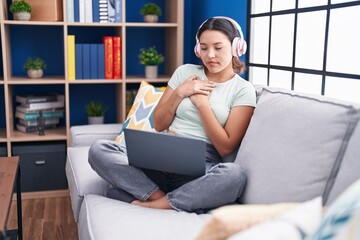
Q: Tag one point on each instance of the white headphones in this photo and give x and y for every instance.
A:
(238, 44)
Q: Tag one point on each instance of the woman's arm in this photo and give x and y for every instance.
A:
(226, 139)
(164, 112)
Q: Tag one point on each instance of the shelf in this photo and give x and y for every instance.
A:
(32, 23)
(78, 24)
(44, 80)
(139, 79)
(50, 135)
(151, 24)
(96, 81)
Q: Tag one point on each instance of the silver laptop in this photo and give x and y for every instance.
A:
(166, 152)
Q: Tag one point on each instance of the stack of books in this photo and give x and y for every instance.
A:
(94, 60)
(88, 11)
(50, 104)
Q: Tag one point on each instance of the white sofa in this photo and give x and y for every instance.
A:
(297, 147)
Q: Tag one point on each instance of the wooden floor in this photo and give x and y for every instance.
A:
(45, 219)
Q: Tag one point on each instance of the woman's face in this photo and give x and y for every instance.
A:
(215, 51)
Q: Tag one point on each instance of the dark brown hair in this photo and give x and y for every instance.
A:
(225, 26)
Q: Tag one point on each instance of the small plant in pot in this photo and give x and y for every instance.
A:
(151, 12)
(151, 59)
(95, 111)
(21, 10)
(35, 67)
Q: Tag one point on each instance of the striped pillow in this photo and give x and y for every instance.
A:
(140, 115)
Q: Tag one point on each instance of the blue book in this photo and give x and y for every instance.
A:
(76, 11)
(95, 10)
(93, 61)
(86, 60)
(78, 61)
(101, 61)
(118, 15)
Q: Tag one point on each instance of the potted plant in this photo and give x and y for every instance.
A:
(35, 67)
(151, 59)
(21, 10)
(151, 12)
(95, 111)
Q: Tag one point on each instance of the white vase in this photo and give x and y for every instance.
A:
(151, 71)
(22, 16)
(35, 73)
(96, 120)
(151, 18)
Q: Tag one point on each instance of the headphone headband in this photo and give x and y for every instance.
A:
(232, 21)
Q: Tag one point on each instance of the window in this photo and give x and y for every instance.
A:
(306, 46)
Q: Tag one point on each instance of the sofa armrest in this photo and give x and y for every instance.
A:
(85, 135)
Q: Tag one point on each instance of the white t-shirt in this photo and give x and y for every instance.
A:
(225, 96)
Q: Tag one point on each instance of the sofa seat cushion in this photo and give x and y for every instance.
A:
(82, 179)
(104, 218)
(294, 146)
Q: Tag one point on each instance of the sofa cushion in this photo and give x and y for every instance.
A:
(293, 146)
(104, 218)
(85, 135)
(82, 179)
(141, 113)
(351, 162)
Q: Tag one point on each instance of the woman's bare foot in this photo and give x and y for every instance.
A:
(156, 200)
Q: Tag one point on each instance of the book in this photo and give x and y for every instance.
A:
(76, 11)
(29, 129)
(46, 115)
(117, 57)
(29, 123)
(86, 60)
(78, 61)
(82, 10)
(118, 14)
(70, 10)
(93, 61)
(109, 59)
(44, 105)
(23, 109)
(103, 11)
(101, 61)
(95, 10)
(35, 98)
(111, 10)
(59, 103)
(71, 57)
(88, 11)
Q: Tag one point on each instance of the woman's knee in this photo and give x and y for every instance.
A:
(233, 172)
(96, 152)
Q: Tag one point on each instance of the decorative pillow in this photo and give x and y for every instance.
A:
(293, 224)
(140, 115)
(340, 220)
(227, 220)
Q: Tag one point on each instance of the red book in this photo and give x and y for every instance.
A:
(109, 57)
(117, 57)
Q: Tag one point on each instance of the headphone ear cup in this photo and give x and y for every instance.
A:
(197, 49)
(238, 47)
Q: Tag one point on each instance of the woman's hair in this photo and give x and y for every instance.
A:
(225, 26)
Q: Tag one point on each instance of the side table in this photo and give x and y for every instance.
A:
(9, 174)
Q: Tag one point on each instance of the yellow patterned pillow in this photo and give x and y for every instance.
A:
(140, 115)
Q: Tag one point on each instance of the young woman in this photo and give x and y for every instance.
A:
(210, 102)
